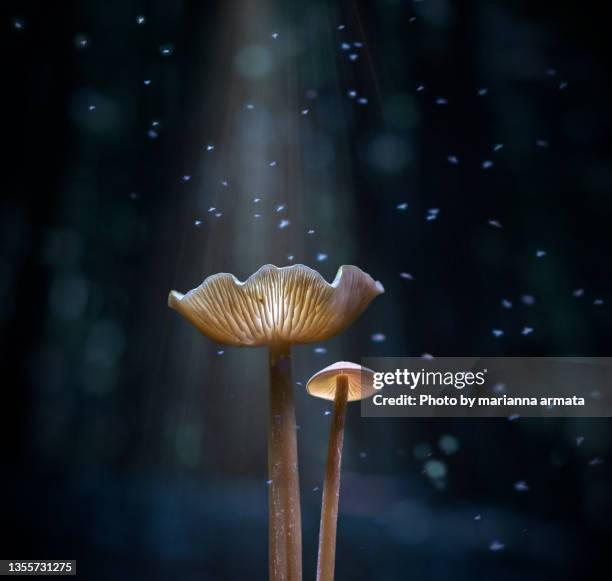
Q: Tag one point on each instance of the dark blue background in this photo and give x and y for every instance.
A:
(132, 446)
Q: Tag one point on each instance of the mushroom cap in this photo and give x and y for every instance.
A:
(323, 383)
(294, 304)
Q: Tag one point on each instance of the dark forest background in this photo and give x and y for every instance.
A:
(133, 444)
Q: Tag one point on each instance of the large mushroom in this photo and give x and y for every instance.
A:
(278, 307)
(341, 382)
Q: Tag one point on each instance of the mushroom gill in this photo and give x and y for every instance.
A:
(294, 304)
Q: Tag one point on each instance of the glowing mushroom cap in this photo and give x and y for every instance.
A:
(294, 304)
(323, 383)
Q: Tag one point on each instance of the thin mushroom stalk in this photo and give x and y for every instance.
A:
(285, 533)
(331, 489)
(341, 382)
(276, 308)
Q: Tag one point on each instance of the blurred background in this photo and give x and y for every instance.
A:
(459, 152)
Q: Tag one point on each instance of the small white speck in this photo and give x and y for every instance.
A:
(305, 111)
(321, 257)
(498, 147)
(166, 49)
(487, 164)
(496, 546)
(81, 41)
(499, 388)
(540, 253)
(598, 302)
(210, 147)
(403, 206)
(197, 222)
(441, 101)
(310, 232)
(452, 159)
(495, 223)
(272, 164)
(320, 350)
(578, 292)
(528, 300)
(280, 207)
(362, 101)
(353, 56)
(482, 91)
(352, 94)
(521, 486)
(406, 276)
(378, 338)
(147, 82)
(506, 304)
(432, 214)
(220, 352)
(497, 332)
(283, 224)
(186, 178)
(274, 35)
(140, 20)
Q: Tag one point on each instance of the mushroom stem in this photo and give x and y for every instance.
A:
(285, 529)
(331, 487)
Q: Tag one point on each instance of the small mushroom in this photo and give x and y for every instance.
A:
(341, 382)
(278, 307)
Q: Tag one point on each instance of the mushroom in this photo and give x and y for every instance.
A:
(341, 382)
(278, 307)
